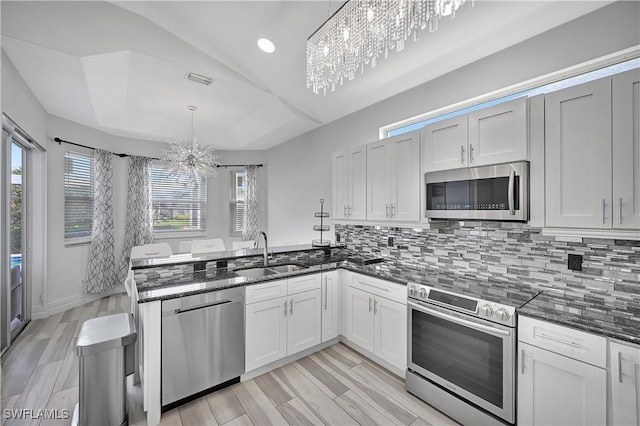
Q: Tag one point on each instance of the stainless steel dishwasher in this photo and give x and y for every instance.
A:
(202, 342)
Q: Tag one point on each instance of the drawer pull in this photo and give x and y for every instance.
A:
(374, 286)
(555, 339)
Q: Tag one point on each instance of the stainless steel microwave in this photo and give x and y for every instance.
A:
(497, 192)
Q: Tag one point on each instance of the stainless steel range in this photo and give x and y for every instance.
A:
(462, 351)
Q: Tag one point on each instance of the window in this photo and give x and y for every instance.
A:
(176, 207)
(236, 203)
(78, 197)
(432, 117)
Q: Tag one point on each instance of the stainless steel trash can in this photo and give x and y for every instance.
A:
(105, 349)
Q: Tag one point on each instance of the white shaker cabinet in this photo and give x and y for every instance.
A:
(625, 384)
(444, 144)
(281, 318)
(498, 134)
(377, 319)
(330, 305)
(578, 156)
(562, 376)
(349, 184)
(393, 178)
(626, 150)
(493, 135)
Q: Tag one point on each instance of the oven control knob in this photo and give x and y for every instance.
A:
(423, 293)
(412, 290)
(502, 315)
(486, 310)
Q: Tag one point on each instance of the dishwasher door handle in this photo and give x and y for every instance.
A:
(206, 305)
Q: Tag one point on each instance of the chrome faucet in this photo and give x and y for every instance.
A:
(266, 250)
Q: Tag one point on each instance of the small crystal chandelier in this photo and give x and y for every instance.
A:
(192, 162)
(362, 30)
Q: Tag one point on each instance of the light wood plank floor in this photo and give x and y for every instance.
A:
(336, 386)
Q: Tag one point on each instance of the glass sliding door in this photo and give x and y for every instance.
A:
(18, 240)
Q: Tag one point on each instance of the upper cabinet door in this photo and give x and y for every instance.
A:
(578, 156)
(498, 134)
(378, 184)
(626, 150)
(444, 144)
(357, 196)
(404, 172)
(340, 185)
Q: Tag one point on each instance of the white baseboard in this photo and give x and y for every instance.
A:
(57, 306)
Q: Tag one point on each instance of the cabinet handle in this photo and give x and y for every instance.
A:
(620, 210)
(345, 211)
(387, 211)
(285, 308)
(461, 154)
(291, 307)
(325, 293)
(369, 304)
(349, 211)
(470, 154)
(375, 306)
(521, 361)
(620, 367)
(604, 204)
(393, 206)
(555, 339)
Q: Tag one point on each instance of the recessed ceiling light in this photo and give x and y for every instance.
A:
(197, 78)
(266, 45)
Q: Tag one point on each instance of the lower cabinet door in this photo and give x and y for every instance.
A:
(391, 331)
(625, 384)
(330, 305)
(304, 323)
(556, 390)
(360, 321)
(266, 332)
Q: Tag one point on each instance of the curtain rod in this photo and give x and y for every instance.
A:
(56, 139)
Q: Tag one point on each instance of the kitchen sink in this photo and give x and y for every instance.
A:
(263, 271)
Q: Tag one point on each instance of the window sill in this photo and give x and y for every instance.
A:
(184, 235)
(77, 243)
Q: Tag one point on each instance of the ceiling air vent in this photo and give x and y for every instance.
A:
(197, 78)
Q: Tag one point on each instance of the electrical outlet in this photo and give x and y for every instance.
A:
(574, 262)
(337, 237)
(389, 241)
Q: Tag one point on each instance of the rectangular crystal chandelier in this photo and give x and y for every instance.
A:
(362, 30)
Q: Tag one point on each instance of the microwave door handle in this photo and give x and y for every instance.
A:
(512, 182)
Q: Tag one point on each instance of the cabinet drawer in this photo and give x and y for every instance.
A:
(386, 289)
(304, 283)
(562, 340)
(266, 291)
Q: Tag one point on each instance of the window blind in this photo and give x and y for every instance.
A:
(176, 207)
(78, 195)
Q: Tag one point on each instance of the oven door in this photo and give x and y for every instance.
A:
(471, 358)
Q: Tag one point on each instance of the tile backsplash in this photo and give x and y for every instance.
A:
(507, 251)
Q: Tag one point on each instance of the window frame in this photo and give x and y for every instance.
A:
(86, 155)
(233, 203)
(179, 233)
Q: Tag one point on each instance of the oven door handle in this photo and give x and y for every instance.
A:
(470, 324)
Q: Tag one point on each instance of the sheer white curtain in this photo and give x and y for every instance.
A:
(139, 223)
(101, 268)
(251, 211)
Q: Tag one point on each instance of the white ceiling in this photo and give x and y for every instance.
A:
(120, 67)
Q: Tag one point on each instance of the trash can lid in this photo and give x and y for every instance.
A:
(104, 333)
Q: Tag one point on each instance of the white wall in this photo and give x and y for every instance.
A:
(299, 172)
(21, 105)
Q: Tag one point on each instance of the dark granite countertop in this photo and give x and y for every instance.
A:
(187, 258)
(605, 316)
